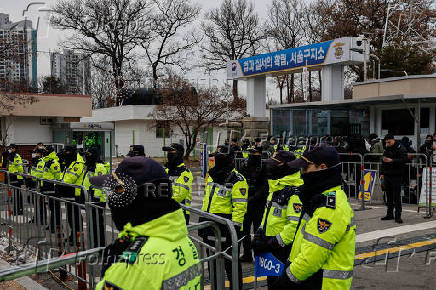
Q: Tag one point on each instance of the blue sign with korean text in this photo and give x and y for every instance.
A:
(267, 265)
(337, 51)
(314, 54)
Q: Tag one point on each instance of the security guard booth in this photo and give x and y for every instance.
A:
(85, 135)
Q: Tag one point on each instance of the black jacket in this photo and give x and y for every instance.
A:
(258, 185)
(398, 155)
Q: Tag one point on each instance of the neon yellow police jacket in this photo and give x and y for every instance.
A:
(230, 199)
(326, 241)
(182, 185)
(16, 166)
(167, 260)
(281, 214)
(100, 169)
(74, 174)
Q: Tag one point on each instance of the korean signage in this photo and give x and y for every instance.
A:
(329, 52)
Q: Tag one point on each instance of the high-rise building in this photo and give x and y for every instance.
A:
(18, 55)
(73, 70)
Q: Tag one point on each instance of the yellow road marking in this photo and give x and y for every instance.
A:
(250, 279)
(394, 249)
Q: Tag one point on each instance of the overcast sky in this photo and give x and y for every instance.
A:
(48, 38)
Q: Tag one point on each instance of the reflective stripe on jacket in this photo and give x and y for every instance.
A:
(227, 199)
(167, 260)
(281, 219)
(326, 241)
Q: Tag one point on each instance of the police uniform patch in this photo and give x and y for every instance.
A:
(56, 168)
(243, 191)
(186, 178)
(100, 174)
(75, 169)
(323, 225)
(110, 286)
(297, 207)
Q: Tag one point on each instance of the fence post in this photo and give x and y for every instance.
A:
(430, 192)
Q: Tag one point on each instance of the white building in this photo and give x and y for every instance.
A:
(18, 60)
(73, 69)
(133, 125)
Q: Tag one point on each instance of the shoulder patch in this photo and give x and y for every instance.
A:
(185, 178)
(297, 207)
(323, 225)
(56, 168)
(243, 191)
(109, 286)
(75, 169)
(331, 200)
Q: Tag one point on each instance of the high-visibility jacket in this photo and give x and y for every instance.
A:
(100, 169)
(283, 147)
(283, 209)
(229, 199)
(75, 173)
(182, 179)
(16, 166)
(325, 242)
(37, 170)
(52, 168)
(162, 256)
(299, 152)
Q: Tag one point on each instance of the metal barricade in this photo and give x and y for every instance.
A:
(46, 225)
(352, 174)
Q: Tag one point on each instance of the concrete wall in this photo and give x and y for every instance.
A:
(413, 85)
(27, 130)
(53, 106)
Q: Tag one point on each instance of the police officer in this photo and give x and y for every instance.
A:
(280, 146)
(322, 255)
(74, 174)
(283, 209)
(226, 194)
(96, 167)
(180, 175)
(15, 165)
(136, 150)
(245, 148)
(153, 250)
(255, 173)
(52, 171)
(37, 168)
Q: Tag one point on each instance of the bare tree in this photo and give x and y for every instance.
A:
(285, 27)
(232, 32)
(111, 28)
(190, 110)
(165, 44)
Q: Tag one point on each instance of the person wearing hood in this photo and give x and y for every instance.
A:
(180, 176)
(322, 255)
(226, 195)
(74, 174)
(96, 167)
(392, 169)
(153, 250)
(255, 173)
(282, 211)
(37, 168)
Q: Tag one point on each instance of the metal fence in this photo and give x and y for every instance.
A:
(69, 235)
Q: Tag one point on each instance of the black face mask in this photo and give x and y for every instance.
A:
(428, 142)
(254, 161)
(174, 160)
(69, 158)
(316, 182)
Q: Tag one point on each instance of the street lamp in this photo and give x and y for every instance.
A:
(362, 51)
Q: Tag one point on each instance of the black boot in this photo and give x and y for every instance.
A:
(398, 219)
(389, 216)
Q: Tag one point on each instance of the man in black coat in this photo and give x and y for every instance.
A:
(394, 161)
(257, 181)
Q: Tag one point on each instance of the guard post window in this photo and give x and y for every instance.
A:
(163, 129)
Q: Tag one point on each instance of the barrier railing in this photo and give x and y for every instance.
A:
(46, 241)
